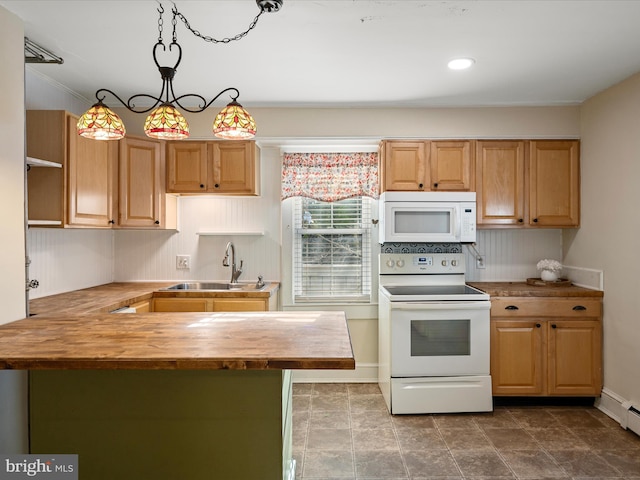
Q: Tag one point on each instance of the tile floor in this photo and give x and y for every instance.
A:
(343, 431)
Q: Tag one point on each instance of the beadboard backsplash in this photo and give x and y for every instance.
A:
(512, 254)
(68, 259)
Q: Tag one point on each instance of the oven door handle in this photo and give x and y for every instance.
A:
(470, 305)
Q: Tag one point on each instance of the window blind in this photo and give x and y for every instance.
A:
(332, 250)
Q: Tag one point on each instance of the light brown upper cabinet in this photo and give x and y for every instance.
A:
(554, 191)
(451, 165)
(426, 165)
(143, 202)
(528, 183)
(226, 167)
(500, 173)
(93, 183)
(81, 192)
(403, 166)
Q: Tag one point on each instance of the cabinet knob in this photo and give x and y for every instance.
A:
(202, 185)
(511, 307)
(538, 325)
(157, 222)
(520, 220)
(217, 185)
(535, 220)
(554, 325)
(420, 185)
(579, 307)
(435, 185)
(111, 222)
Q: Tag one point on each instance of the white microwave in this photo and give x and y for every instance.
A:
(427, 217)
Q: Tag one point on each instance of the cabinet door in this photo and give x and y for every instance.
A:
(142, 307)
(575, 358)
(141, 183)
(500, 182)
(239, 305)
(233, 167)
(405, 166)
(451, 165)
(181, 305)
(554, 193)
(517, 356)
(186, 167)
(91, 175)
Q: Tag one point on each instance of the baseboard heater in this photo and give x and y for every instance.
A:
(632, 422)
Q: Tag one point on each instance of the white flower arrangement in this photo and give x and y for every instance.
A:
(551, 265)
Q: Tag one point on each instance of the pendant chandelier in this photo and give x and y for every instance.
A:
(165, 120)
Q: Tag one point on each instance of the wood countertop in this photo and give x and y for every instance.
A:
(75, 330)
(105, 298)
(179, 341)
(523, 289)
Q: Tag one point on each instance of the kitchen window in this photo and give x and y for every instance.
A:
(332, 250)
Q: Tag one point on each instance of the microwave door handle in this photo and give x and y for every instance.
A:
(456, 224)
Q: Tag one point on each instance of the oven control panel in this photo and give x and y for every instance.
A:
(425, 263)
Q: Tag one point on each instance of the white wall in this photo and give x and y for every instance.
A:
(610, 228)
(13, 399)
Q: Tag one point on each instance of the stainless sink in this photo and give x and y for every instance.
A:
(221, 286)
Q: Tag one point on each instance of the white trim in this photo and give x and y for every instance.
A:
(330, 148)
(618, 408)
(57, 84)
(610, 404)
(363, 373)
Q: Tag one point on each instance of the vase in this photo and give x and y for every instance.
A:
(548, 275)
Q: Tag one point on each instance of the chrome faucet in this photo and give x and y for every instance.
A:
(235, 272)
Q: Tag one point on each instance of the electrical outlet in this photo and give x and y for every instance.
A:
(480, 262)
(183, 262)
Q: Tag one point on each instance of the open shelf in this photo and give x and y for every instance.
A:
(212, 233)
(36, 162)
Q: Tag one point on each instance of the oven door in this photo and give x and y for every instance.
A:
(439, 338)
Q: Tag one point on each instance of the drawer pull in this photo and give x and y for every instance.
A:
(538, 325)
(579, 307)
(511, 307)
(554, 326)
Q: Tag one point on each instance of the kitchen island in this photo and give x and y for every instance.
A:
(170, 395)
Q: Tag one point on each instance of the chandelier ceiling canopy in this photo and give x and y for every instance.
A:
(165, 120)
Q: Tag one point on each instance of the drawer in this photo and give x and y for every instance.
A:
(578, 307)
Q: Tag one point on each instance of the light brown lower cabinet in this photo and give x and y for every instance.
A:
(546, 346)
(220, 304)
(143, 306)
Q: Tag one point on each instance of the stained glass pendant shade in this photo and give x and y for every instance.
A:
(234, 123)
(166, 122)
(101, 123)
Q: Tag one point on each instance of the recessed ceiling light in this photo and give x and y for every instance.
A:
(461, 63)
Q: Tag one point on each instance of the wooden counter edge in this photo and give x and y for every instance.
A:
(346, 363)
(522, 289)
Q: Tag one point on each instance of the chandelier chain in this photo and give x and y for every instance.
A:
(160, 22)
(207, 38)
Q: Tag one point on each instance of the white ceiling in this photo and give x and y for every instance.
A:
(346, 53)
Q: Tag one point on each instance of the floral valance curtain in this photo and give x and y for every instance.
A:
(330, 177)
